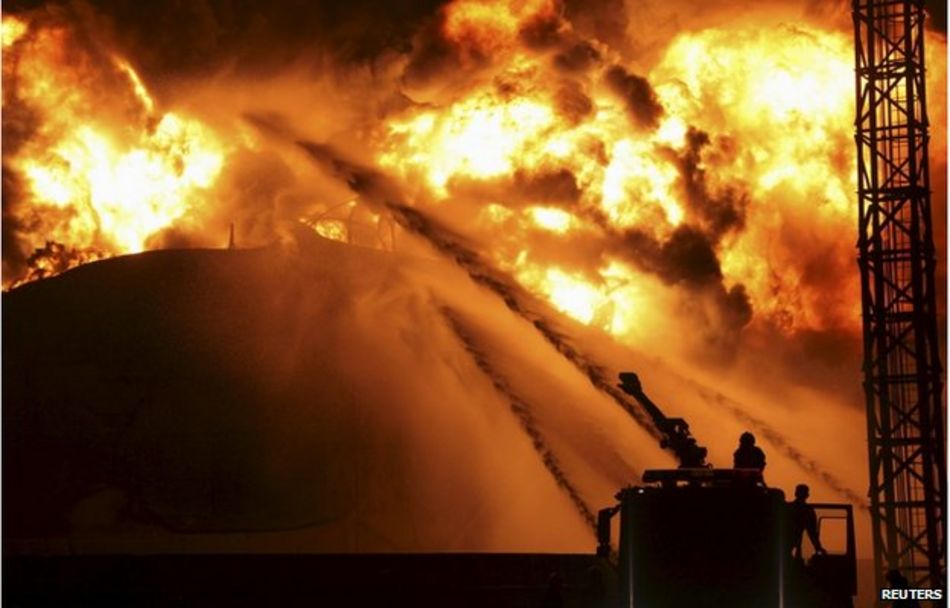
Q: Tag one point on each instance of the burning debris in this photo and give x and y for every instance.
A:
(55, 258)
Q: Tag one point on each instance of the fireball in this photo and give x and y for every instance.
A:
(103, 170)
(741, 137)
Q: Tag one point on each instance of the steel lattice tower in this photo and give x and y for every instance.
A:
(902, 370)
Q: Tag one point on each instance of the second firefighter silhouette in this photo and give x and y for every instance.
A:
(748, 455)
(803, 520)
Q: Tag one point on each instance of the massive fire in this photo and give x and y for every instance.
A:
(726, 168)
(103, 169)
(759, 117)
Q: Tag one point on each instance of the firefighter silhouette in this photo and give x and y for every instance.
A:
(803, 520)
(748, 455)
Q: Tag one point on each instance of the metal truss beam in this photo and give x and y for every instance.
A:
(902, 369)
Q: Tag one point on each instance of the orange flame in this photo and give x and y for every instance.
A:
(785, 97)
(560, 169)
(13, 30)
(776, 103)
(102, 169)
(490, 26)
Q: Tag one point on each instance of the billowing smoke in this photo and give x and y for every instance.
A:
(637, 94)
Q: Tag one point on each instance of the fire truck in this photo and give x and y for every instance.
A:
(700, 537)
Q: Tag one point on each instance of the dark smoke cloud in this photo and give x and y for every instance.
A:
(578, 58)
(203, 36)
(603, 20)
(541, 33)
(431, 59)
(572, 102)
(551, 187)
(717, 212)
(736, 306)
(686, 257)
(638, 94)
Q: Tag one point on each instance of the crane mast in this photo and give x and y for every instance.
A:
(902, 369)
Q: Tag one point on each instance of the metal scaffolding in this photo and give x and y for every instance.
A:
(902, 370)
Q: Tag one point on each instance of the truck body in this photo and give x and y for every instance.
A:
(701, 537)
(710, 538)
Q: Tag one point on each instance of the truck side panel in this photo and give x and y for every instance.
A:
(702, 547)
